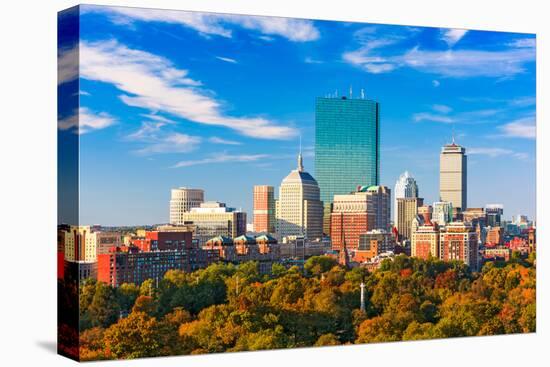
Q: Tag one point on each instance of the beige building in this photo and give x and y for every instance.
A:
(299, 210)
(212, 219)
(407, 210)
(453, 174)
(80, 244)
(182, 200)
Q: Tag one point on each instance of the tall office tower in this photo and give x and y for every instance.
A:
(299, 211)
(442, 212)
(182, 200)
(347, 149)
(405, 187)
(425, 241)
(215, 219)
(264, 209)
(494, 214)
(407, 210)
(458, 241)
(453, 176)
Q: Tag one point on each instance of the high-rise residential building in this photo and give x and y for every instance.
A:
(264, 209)
(425, 241)
(352, 215)
(381, 201)
(453, 176)
(80, 244)
(347, 149)
(407, 210)
(405, 187)
(494, 214)
(442, 212)
(215, 219)
(182, 200)
(357, 213)
(299, 210)
(458, 241)
(494, 236)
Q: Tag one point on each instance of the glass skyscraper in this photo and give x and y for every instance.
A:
(347, 145)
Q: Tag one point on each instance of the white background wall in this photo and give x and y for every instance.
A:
(28, 181)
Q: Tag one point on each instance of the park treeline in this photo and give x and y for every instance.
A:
(226, 307)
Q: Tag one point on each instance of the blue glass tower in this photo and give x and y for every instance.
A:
(347, 145)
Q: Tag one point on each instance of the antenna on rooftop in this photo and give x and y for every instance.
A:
(362, 93)
(350, 92)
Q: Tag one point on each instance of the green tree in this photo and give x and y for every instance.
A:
(136, 336)
(104, 309)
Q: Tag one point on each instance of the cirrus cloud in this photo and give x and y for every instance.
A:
(152, 82)
(211, 24)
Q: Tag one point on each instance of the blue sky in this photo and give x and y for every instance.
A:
(170, 98)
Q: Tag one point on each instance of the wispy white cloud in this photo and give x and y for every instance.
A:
(210, 24)
(443, 114)
(522, 128)
(155, 140)
(227, 59)
(67, 65)
(216, 140)
(523, 42)
(441, 108)
(310, 60)
(452, 36)
(376, 55)
(170, 143)
(496, 152)
(221, 158)
(84, 120)
(152, 82)
(428, 116)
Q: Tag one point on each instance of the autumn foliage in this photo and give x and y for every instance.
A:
(226, 308)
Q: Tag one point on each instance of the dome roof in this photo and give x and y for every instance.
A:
(296, 176)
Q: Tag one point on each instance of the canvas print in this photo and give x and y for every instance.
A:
(237, 183)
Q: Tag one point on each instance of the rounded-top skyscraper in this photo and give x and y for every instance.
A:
(299, 210)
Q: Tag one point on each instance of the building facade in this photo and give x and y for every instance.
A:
(453, 176)
(352, 215)
(213, 219)
(264, 209)
(80, 244)
(494, 214)
(405, 187)
(442, 212)
(299, 210)
(347, 149)
(135, 266)
(425, 241)
(182, 200)
(458, 241)
(407, 210)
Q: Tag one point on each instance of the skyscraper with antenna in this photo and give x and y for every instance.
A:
(347, 147)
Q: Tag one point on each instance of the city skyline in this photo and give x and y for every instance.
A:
(216, 133)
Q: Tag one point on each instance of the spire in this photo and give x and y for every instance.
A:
(300, 162)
